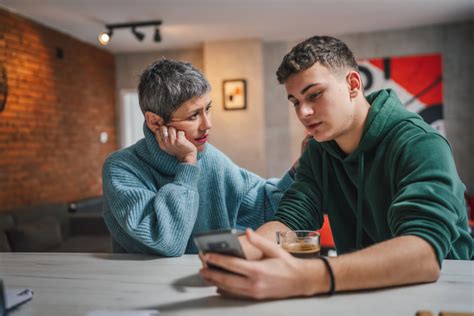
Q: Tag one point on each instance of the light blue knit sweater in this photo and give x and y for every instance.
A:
(155, 205)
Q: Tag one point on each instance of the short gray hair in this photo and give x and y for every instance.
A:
(328, 51)
(166, 84)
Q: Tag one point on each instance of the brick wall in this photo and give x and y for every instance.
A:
(61, 97)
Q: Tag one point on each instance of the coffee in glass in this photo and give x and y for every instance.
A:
(300, 243)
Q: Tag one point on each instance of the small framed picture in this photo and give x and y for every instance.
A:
(235, 94)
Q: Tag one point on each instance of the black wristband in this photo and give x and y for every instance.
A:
(332, 289)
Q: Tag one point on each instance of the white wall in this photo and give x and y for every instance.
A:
(130, 66)
(239, 134)
(283, 130)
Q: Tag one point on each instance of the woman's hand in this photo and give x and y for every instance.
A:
(176, 144)
(278, 275)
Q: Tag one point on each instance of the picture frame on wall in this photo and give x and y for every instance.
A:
(234, 94)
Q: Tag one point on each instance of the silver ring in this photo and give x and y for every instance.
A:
(165, 133)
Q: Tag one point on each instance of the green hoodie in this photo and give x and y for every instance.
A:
(401, 180)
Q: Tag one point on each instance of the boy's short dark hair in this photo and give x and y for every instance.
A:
(328, 51)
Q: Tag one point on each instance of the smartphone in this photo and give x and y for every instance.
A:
(224, 242)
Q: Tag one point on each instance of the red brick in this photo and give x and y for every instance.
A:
(56, 108)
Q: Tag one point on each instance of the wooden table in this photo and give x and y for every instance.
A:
(74, 284)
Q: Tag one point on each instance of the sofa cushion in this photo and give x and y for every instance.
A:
(88, 224)
(6, 222)
(99, 243)
(38, 235)
(33, 213)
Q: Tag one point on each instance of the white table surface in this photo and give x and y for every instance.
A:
(74, 284)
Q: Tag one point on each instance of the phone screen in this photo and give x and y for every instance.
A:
(223, 242)
(220, 241)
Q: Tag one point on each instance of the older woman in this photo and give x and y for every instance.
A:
(173, 184)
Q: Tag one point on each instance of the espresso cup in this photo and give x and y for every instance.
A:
(303, 244)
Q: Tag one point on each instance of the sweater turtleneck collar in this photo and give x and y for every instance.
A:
(159, 159)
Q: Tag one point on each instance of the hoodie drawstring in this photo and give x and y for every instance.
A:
(360, 196)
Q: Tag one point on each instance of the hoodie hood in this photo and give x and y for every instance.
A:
(385, 112)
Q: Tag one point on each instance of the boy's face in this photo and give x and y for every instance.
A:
(322, 102)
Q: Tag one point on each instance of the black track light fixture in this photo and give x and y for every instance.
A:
(104, 37)
(139, 35)
(157, 36)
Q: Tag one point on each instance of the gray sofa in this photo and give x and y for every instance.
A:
(62, 227)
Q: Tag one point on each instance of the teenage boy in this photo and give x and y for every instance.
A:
(386, 179)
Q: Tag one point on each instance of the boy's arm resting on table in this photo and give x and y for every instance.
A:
(160, 220)
(398, 261)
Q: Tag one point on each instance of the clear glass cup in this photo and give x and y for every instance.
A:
(300, 243)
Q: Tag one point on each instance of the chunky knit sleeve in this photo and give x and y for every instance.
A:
(146, 219)
(261, 198)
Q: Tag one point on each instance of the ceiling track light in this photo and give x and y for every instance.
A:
(157, 36)
(139, 35)
(104, 37)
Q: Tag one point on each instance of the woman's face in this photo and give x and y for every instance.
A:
(193, 117)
